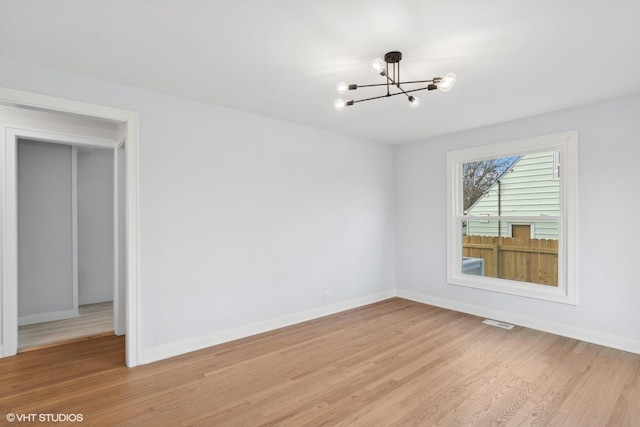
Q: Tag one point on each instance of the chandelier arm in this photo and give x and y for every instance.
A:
(399, 83)
(391, 80)
(403, 91)
(375, 97)
(391, 94)
(417, 81)
(413, 90)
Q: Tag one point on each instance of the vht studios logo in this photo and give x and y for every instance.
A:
(44, 418)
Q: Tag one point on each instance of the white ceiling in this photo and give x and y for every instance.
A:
(282, 58)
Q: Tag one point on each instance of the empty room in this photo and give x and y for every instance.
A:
(305, 213)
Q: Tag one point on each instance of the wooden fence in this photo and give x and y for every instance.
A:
(524, 260)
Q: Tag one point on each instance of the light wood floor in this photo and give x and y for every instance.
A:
(394, 363)
(94, 320)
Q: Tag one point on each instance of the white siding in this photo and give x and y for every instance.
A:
(527, 189)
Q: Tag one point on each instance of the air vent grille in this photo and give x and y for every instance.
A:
(498, 324)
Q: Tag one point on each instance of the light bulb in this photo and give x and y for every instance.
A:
(447, 82)
(342, 87)
(339, 104)
(414, 101)
(379, 66)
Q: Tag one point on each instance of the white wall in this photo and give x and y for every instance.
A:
(45, 244)
(243, 219)
(95, 226)
(609, 149)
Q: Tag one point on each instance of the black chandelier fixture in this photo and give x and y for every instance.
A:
(390, 69)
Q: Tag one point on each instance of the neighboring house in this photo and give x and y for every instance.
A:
(530, 187)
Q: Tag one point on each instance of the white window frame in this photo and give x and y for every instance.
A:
(566, 144)
(556, 166)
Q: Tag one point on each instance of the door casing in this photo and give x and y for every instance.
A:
(128, 122)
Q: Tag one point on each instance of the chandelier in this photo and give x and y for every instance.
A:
(390, 69)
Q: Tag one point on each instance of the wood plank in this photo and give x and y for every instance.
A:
(94, 320)
(396, 362)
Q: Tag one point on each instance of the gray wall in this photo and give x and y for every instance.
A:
(44, 227)
(45, 273)
(95, 226)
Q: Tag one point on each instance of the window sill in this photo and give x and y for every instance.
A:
(523, 289)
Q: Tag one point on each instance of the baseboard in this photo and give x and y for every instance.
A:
(595, 337)
(197, 343)
(47, 317)
(177, 348)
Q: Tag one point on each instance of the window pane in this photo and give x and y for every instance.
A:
(520, 258)
(520, 185)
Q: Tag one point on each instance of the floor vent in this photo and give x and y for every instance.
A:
(498, 324)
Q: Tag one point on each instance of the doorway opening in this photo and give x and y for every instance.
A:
(86, 126)
(65, 243)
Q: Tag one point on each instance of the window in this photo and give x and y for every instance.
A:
(512, 217)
